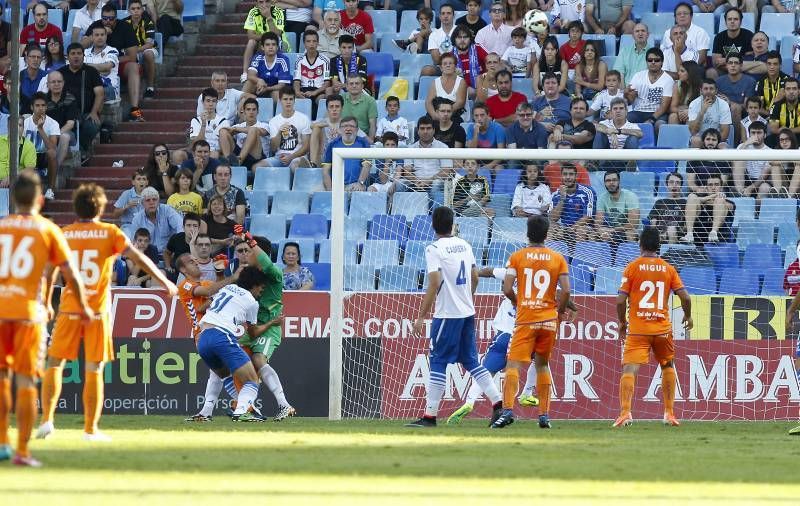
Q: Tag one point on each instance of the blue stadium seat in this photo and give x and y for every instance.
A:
(581, 277)
(272, 179)
(385, 21)
(560, 246)
(499, 251)
(367, 204)
(379, 64)
(350, 252)
(322, 108)
(411, 66)
(748, 21)
(705, 20)
(378, 253)
(658, 23)
(789, 256)
(699, 280)
(596, 180)
(510, 229)
(507, 180)
(522, 85)
(355, 228)
(646, 203)
(259, 202)
(778, 211)
(399, 278)
(594, 253)
(273, 227)
(414, 255)
(321, 203)
(410, 204)
(626, 252)
(677, 246)
(640, 183)
(738, 282)
(648, 139)
(777, 24)
(389, 47)
(607, 280)
(359, 278)
(300, 105)
(385, 226)
(787, 235)
(308, 179)
(745, 209)
(667, 6)
(760, 257)
(424, 85)
(308, 248)
(314, 226)
(322, 275)
(4, 198)
(723, 255)
(266, 109)
(501, 203)
(473, 230)
(239, 176)
(290, 203)
(673, 136)
(421, 229)
(660, 167)
(773, 282)
(753, 232)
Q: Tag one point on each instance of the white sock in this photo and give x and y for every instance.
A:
(213, 388)
(435, 392)
(247, 395)
(273, 382)
(530, 381)
(473, 393)
(486, 383)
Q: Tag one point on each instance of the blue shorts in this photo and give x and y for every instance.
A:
(219, 349)
(495, 359)
(453, 341)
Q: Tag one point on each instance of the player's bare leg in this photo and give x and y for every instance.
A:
(543, 382)
(93, 402)
(6, 452)
(626, 385)
(668, 384)
(51, 392)
(26, 415)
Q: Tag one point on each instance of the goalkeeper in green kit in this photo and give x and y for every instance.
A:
(270, 307)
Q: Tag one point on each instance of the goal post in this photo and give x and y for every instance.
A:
(377, 367)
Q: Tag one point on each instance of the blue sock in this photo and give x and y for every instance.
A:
(227, 382)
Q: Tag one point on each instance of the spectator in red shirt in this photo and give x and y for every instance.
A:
(571, 50)
(471, 57)
(40, 30)
(503, 106)
(791, 278)
(358, 24)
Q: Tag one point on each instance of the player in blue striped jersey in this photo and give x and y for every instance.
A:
(452, 280)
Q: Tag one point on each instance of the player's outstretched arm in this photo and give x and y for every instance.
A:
(434, 280)
(145, 263)
(686, 305)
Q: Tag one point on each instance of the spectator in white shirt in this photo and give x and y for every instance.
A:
(393, 122)
(650, 92)
(439, 41)
(679, 51)
(425, 174)
(709, 111)
(84, 17)
(496, 36)
(532, 196)
(209, 123)
(105, 59)
(696, 38)
(43, 131)
(228, 100)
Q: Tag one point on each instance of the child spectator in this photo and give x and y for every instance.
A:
(312, 70)
(393, 122)
(346, 63)
(753, 107)
(532, 196)
(519, 57)
(571, 51)
(417, 42)
(185, 200)
(208, 125)
(386, 168)
(136, 276)
(269, 71)
(130, 201)
(601, 104)
(245, 143)
(471, 193)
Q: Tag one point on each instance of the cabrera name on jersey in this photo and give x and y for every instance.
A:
(231, 307)
(452, 257)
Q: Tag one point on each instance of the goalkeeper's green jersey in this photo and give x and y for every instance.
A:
(271, 301)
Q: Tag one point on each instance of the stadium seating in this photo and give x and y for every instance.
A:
(266, 109)
(350, 252)
(777, 211)
(314, 226)
(355, 228)
(648, 139)
(489, 285)
(389, 47)
(272, 179)
(699, 280)
(507, 180)
(790, 255)
(745, 209)
(658, 23)
(759, 257)
(777, 23)
(424, 85)
(723, 255)
(581, 276)
(510, 229)
(593, 253)
(501, 203)
(308, 180)
(666, 5)
(322, 275)
(410, 204)
(787, 234)
(499, 251)
(4, 200)
(379, 253)
(773, 282)
(290, 203)
(473, 230)
(640, 183)
(522, 85)
(367, 204)
(385, 226)
(321, 203)
(607, 280)
(399, 278)
(359, 278)
(300, 105)
(385, 21)
(673, 136)
(239, 176)
(421, 229)
(626, 252)
(308, 248)
(753, 232)
(272, 226)
(559, 246)
(414, 255)
(379, 65)
(738, 281)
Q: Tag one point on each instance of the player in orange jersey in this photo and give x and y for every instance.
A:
(643, 312)
(538, 272)
(195, 295)
(30, 246)
(95, 246)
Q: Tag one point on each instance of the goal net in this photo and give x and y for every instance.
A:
(728, 224)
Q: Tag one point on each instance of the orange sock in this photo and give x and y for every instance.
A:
(5, 409)
(543, 382)
(510, 387)
(26, 414)
(92, 401)
(626, 384)
(51, 391)
(668, 382)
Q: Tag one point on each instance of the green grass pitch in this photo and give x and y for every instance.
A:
(163, 460)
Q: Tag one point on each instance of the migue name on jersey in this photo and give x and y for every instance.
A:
(652, 268)
(538, 256)
(459, 248)
(86, 234)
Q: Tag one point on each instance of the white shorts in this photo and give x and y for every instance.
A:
(140, 54)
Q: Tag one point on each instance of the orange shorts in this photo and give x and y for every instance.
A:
(637, 348)
(96, 335)
(22, 345)
(538, 338)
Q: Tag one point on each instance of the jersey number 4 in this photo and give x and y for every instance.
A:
(16, 262)
(539, 280)
(650, 288)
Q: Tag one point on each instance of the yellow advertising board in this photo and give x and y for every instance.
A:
(736, 317)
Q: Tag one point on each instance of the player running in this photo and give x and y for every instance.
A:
(452, 280)
(646, 284)
(538, 271)
(95, 247)
(30, 246)
(233, 313)
(495, 358)
(195, 295)
(270, 307)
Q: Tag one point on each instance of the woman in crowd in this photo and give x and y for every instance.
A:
(550, 61)
(217, 225)
(686, 89)
(487, 84)
(54, 55)
(295, 276)
(532, 197)
(160, 170)
(449, 85)
(590, 74)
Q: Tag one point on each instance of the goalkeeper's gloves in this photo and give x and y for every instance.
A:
(245, 236)
(220, 262)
